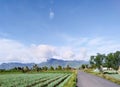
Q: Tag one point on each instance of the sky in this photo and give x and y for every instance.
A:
(37, 30)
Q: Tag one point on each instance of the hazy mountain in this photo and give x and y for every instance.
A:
(14, 64)
(56, 62)
(49, 62)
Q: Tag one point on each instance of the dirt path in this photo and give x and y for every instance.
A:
(87, 80)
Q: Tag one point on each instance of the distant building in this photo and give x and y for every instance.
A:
(96, 70)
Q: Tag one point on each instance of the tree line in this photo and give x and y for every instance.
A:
(111, 60)
(36, 68)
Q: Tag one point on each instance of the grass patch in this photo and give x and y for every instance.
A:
(112, 79)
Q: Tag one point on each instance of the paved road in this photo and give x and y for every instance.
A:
(87, 80)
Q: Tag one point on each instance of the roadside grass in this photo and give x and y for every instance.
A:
(105, 76)
(72, 81)
(117, 76)
(111, 79)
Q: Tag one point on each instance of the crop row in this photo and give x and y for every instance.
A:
(33, 80)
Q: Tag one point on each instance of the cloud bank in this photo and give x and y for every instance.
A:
(79, 49)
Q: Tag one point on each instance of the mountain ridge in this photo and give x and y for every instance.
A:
(50, 62)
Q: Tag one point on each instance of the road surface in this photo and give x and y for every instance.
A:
(87, 80)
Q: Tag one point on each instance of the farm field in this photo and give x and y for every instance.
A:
(34, 80)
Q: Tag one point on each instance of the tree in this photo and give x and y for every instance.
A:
(92, 62)
(45, 68)
(59, 67)
(109, 60)
(83, 66)
(25, 69)
(98, 61)
(113, 60)
(116, 60)
(35, 68)
(19, 68)
(68, 67)
(51, 68)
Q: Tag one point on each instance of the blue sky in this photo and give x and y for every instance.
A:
(65, 29)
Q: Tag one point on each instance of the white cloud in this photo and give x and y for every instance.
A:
(14, 51)
(42, 52)
(79, 49)
(66, 53)
(11, 50)
(95, 41)
(91, 46)
(82, 55)
(51, 14)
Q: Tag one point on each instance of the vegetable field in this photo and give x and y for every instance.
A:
(34, 80)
